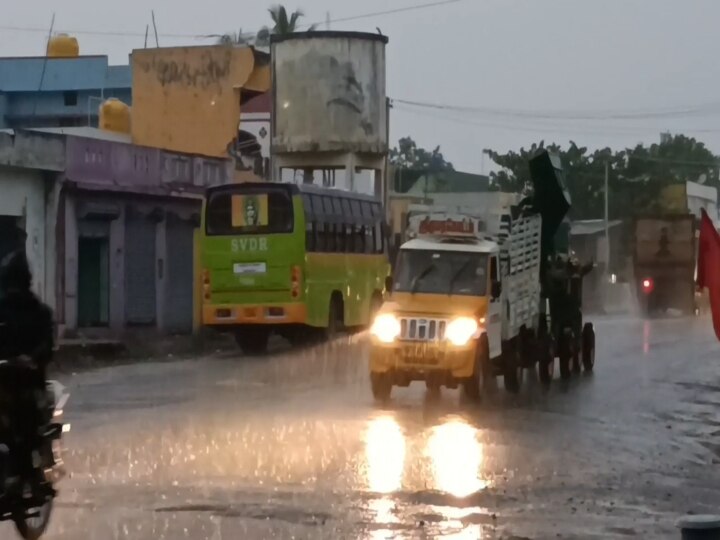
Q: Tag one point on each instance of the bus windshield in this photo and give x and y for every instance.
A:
(249, 209)
(441, 272)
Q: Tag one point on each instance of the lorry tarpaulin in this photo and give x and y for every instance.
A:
(708, 268)
(550, 198)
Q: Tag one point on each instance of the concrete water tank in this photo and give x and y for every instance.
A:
(329, 92)
(63, 46)
(114, 116)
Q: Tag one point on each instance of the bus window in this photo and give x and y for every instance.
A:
(341, 238)
(248, 209)
(337, 206)
(317, 205)
(351, 239)
(327, 206)
(355, 209)
(369, 245)
(378, 243)
(346, 210)
(320, 242)
(366, 209)
(307, 205)
(330, 240)
(310, 242)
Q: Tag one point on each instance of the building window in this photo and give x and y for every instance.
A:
(70, 98)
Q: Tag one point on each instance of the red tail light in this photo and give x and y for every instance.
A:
(295, 279)
(648, 285)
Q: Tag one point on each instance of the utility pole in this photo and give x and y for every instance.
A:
(607, 219)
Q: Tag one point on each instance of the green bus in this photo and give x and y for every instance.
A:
(296, 260)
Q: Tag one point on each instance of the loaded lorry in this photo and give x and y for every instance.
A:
(472, 296)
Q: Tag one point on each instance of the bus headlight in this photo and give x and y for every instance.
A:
(461, 330)
(385, 327)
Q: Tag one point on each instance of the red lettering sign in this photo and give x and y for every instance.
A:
(449, 226)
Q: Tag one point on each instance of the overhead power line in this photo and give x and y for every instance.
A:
(128, 33)
(578, 115)
(538, 126)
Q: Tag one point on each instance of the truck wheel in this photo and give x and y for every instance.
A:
(512, 370)
(565, 353)
(576, 360)
(546, 363)
(588, 347)
(381, 385)
(253, 340)
(472, 387)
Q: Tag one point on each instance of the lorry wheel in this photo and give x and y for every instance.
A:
(546, 363)
(472, 387)
(588, 347)
(253, 340)
(565, 353)
(512, 370)
(381, 385)
(576, 360)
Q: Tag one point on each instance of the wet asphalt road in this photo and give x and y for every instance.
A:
(292, 446)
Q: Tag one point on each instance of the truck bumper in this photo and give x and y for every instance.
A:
(420, 361)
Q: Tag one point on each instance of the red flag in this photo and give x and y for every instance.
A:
(708, 267)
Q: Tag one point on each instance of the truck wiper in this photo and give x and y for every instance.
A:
(420, 276)
(457, 274)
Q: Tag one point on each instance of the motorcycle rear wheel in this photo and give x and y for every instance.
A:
(33, 527)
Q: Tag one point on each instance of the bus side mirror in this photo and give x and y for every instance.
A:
(388, 283)
(496, 289)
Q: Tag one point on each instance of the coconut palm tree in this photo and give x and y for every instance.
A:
(283, 24)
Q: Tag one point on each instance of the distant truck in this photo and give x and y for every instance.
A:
(664, 263)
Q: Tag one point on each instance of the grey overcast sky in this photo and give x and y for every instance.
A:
(584, 58)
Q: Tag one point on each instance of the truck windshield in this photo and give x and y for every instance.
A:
(249, 209)
(441, 272)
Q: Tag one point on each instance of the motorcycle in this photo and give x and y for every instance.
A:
(28, 502)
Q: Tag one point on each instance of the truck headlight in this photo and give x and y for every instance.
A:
(461, 330)
(385, 327)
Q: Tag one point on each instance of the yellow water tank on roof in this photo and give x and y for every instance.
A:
(63, 46)
(115, 116)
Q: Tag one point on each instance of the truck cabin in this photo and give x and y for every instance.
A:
(447, 266)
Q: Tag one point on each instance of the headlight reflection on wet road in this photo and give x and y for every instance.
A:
(385, 454)
(457, 458)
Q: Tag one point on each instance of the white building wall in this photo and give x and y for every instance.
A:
(702, 197)
(23, 196)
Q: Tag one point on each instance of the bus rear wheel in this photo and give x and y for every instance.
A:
(253, 340)
(336, 318)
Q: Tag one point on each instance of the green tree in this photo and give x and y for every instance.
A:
(635, 175)
(407, 155)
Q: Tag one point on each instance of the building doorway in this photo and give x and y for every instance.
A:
(93, 282)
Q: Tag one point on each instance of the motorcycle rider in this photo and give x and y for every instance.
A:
(26, 341)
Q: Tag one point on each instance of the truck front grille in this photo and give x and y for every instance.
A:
(417, 329)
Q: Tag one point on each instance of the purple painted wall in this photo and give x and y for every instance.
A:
(103, 163)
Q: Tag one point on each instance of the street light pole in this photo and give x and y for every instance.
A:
(607, 219)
